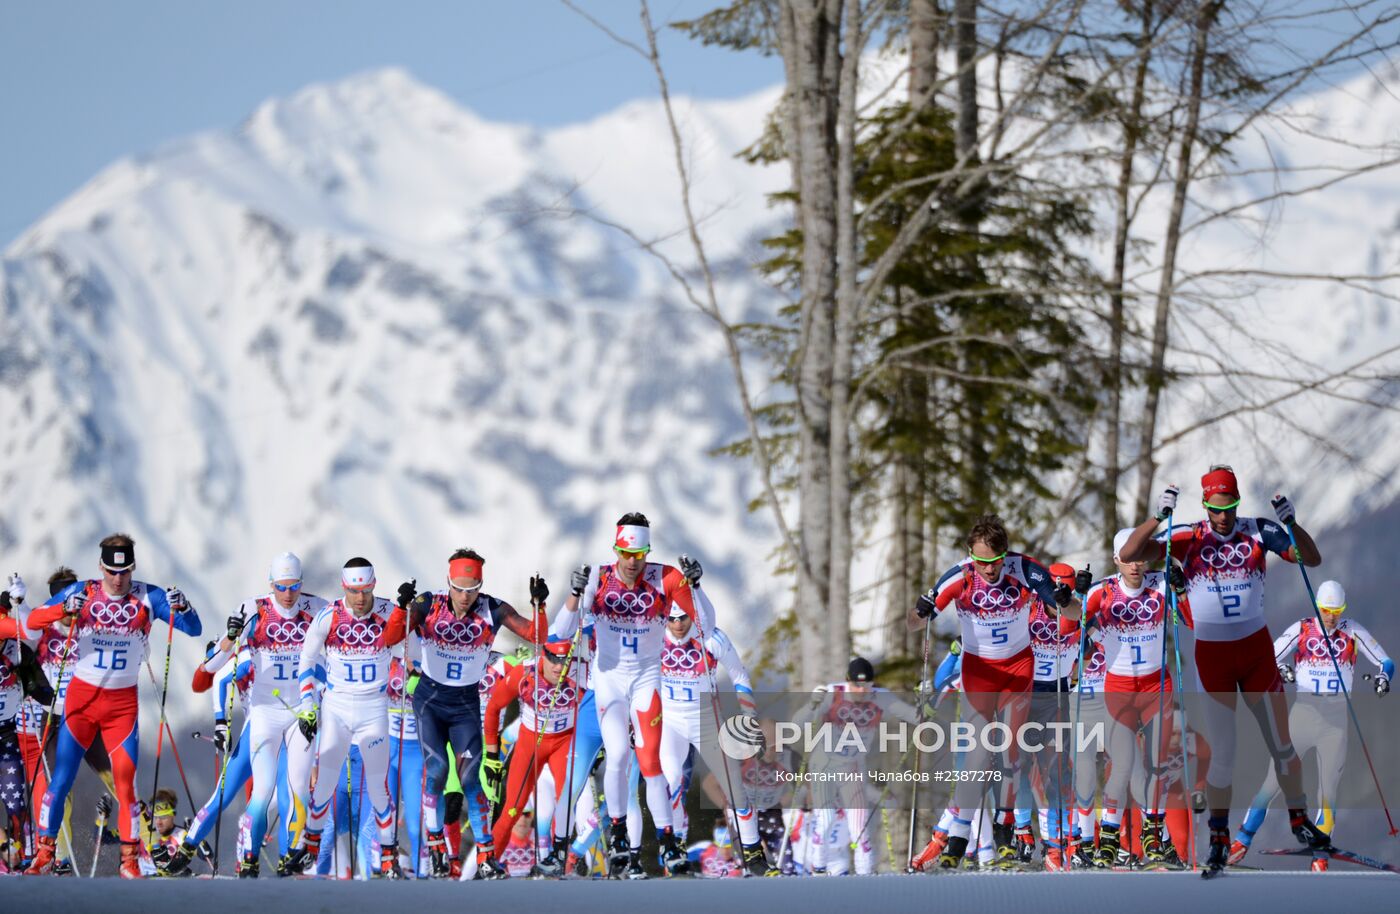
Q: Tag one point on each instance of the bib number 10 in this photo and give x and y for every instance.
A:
(368, 672)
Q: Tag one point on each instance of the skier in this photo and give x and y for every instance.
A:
(1223, 558)
(688, 720)
(352, 637)
(548, 701)
(110, 622)
(272, 628)
(1316, 721)
(993, 590)
(1128, 612)
(627, 603)
(451, 632)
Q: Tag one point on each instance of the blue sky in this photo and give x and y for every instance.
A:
(84, 82)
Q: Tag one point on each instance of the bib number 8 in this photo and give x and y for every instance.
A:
(454, 669)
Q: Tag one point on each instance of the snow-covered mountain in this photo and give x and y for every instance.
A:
(358, 323)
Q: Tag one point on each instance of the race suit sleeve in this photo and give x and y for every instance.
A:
(1373, 650)
(728, 657)
(313, 651)
(1286, 643)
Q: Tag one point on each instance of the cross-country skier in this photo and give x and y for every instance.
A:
(351, 638)
(688, 720)
(110, 621)
(451, 633)
(993, 590)
(1224, 557)
(1317, 721)
(627, 602)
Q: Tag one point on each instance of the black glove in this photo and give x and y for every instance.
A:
(925, 607)
(5, 600)
(1064, 595)
(578, 580)
(1283, 510)
(235, 625)
(1083, 580)
(1177, 579)
(307, 724)
(1286, 673)
(691, 569)
(221, 736)
(539, 590)
(104, 807)
(1382, 684)
(407, 591)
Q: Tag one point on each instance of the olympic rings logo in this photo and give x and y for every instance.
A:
(680, 656)
(547, 698)
(1135, 611)
(759, 775)
(116, 615)
(862, 714)
(1227, 555)
(357, 634)
(456, 631)
(1047, 631)
(1316, 645)
(628, 603)
(280, 631)
(996, 597)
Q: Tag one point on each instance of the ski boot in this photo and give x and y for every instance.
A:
(1106, 857)
(488, 868)
(1154, 854)
(43, 857)
(438, 865)
(454, 869)
(551, 865)
(673, 857)
(1319, 864)
(1025, 845)
(1238, 850)
(131, 861)
(930, 852)
(1219, 855)
(634, 866)
(389, 862)
(756, 861)
(620, 850)
(295, 861)
(953, 852)
(1083, 856)
(1306, 832)
(1054, 858)
(1007, 854)
(248, 867)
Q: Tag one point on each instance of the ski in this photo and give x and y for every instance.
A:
(1336, 853)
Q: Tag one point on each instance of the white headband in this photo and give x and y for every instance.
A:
(631, 538)
(357, 578)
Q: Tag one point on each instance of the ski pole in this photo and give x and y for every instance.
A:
(924, 685)
(58, 688)
(223, 768)
(164, 693)
(97, 841)
(174, 750)
(1341, 681)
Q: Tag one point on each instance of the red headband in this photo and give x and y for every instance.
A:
(1220, 482)
(465, 568)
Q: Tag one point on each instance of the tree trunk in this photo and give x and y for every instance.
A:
(925, 30)
(965, 40)
(1132, 131)
(1156, 376)
(814, 100)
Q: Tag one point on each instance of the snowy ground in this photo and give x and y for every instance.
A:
(1149, 893)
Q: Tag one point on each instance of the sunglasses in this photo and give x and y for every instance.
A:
(472, 589)
(368, 588)
(991, 561)
(116, 572)
(1220, 509)
(553, 657)
(632, 553)
(283, 588)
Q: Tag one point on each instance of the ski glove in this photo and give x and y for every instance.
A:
(411, 683)
(1083, 580)
(1177, 579)
(18, 590)
(176, 598)
(221, 736)
(407, 591)
(1283, 510)
(1286, 671)
(1064, 595)
(1382, 684)
(578, 580)
(235, 625)
(492, 774)
(75, 603)
(306, 722)
(1166, 503)
(691, 569)
(539, 590)
(104, 808)
(925, 607)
